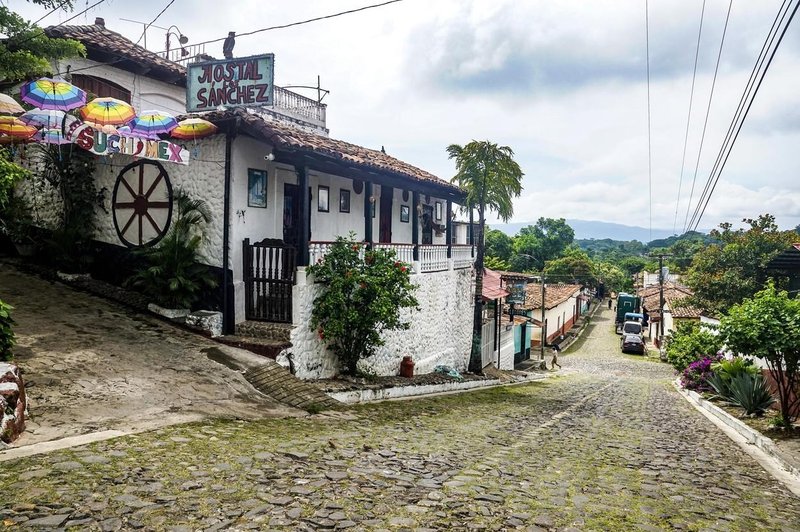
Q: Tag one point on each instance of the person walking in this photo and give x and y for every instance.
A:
(554, 362)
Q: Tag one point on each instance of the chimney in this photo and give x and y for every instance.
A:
(100, 21)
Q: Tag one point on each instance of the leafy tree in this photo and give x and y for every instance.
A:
(768, 326)
(7, 340)
(498, 244)
(574, 267)
(172, 275)
(613, 278)
(27, 52)
(10, 175)
(491, 178)
(635, 264)
(726, 273)
(690, 342)
(537, 244)
(493, 263)
(362, 298)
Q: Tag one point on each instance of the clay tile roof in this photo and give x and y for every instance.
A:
(675, 297)
(492, 286)
(554, 295)
(99, 38)
(292, 138)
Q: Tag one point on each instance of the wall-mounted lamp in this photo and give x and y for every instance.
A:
(269, 157)
(419, 208)
(372, 199)
(182, 39)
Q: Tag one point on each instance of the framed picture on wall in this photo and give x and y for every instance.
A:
(323, 198)
(404, 213)
(438, 211)
(256, 188)
(344, 200)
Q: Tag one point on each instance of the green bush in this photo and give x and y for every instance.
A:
(6, 332)
(171, 274)
(365, 289)
(690, 342)
(751, 393)
(727, 369)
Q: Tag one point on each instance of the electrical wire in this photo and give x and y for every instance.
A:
(708, 111)
(688, 117)
(649, 142)
(729, 146)
(42, 32)
(289, 25)
(154, 21)
(59, 6)
(784, 9)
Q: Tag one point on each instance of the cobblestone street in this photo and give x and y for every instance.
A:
(606, 445)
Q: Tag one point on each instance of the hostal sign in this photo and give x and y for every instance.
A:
(245, 81)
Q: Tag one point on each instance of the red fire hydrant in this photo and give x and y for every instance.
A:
(407, 367)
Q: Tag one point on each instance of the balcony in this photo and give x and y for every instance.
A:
(431, 258)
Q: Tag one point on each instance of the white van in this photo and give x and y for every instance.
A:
(632, 327)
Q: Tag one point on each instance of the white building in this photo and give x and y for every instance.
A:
(281, 190)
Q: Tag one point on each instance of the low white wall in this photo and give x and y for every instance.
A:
(440, 333)
(507, 346)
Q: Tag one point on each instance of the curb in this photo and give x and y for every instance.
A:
(749, 435)
(352, 397)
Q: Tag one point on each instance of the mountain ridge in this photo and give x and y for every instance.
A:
(594, 229)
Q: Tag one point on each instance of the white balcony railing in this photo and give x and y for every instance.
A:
(462, 256)
(404, 252)
(433, 258)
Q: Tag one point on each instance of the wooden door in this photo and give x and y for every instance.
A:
(385, 232)
(427, 225)
(291, 211)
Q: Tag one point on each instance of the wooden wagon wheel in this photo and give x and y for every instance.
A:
(142, 203)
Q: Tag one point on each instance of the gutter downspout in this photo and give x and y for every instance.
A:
(228, 324)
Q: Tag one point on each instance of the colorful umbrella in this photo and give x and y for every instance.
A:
(49, 118)
(9, 105)
(193, 128)
(50, 136)
(47, 93)
(15, 128)
(106, 111)
(151, 123)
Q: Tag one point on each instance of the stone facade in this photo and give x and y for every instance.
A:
(440, 333)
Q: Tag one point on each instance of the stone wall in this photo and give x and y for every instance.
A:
(440, 333)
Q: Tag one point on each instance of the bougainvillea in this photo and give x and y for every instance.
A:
(695, 376)
(364, 292)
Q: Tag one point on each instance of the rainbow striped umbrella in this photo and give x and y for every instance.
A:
(8, 139)
(49, 118)
(9, 105)
(47, 93)
(14, 127)
(50, 136)
(193, 128)
(106, 111)
(151, 123)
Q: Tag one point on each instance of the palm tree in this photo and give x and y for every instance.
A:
(491, 178)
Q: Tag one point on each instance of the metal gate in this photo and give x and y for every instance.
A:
(269, 273)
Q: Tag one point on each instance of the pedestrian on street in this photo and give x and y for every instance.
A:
(554, 362)
(609, 303)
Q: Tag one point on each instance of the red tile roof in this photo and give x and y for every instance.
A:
(492, 286)
(675, 297)
(554, 295)
(292, 138)
(99, 38)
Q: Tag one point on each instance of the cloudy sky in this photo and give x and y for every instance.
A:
(561, 82)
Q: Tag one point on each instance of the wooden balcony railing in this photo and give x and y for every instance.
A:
(431, 258)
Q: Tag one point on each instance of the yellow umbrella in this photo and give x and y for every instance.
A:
(105, 111)
(14, 127)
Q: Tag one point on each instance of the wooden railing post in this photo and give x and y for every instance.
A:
(305, 217)
(449, 229)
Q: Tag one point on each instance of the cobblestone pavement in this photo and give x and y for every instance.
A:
(92, 365)
(606, 445)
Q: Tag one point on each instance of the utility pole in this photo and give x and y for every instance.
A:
(661, 257)
(544, 332)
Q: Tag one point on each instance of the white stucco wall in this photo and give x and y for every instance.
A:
(507, 346)
(146, 93)
(440, 333)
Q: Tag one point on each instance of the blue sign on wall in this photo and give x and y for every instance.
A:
(516, 291)
(240, 82)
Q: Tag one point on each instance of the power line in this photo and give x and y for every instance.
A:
(289, 25)
(729, 146)
(708, 111)
(41, 32)
(154, 20)
(59, 6)
(689, 116)
(649, 142)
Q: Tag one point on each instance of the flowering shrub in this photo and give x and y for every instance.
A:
(363, 295)
(695, 376)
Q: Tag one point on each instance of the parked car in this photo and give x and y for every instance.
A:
(632, 327)
(633, 343)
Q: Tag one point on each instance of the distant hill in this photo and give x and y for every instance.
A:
(587, 229)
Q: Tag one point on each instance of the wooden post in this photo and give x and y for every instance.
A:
(304, 215)
(415, 223)
(368, 207)
(449, 230)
